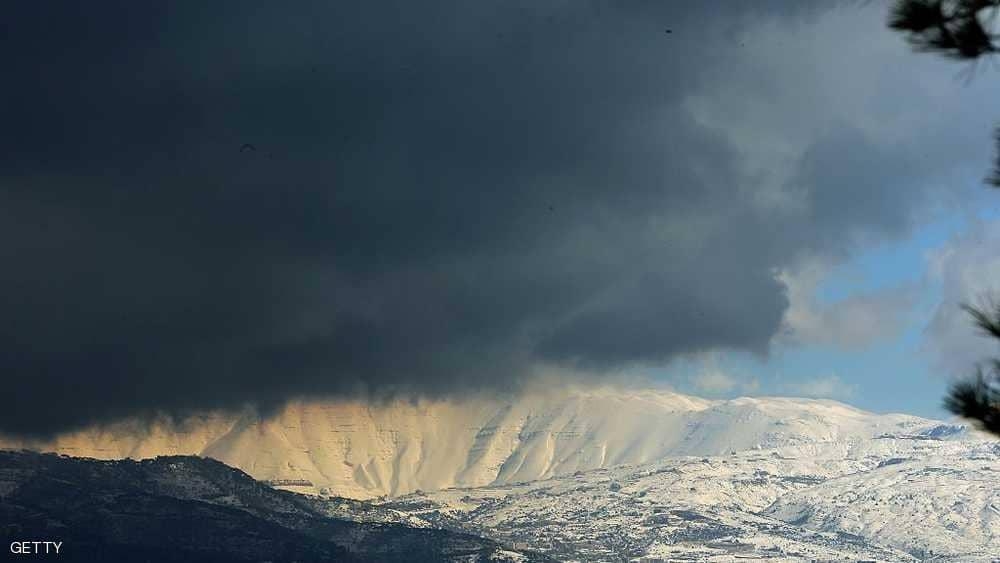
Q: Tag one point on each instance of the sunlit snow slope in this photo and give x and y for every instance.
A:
(362, 451)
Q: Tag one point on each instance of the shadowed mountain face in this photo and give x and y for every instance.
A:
(193, 509)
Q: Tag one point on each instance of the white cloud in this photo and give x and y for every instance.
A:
(968, 269)
(715, 381)
(855, 322)
(712, 379)
(827, 386)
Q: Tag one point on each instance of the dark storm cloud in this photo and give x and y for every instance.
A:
(206, 205)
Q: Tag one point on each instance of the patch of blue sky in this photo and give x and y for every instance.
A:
(890, 263)
(889, 376)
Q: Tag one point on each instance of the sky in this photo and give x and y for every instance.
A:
(204, 205)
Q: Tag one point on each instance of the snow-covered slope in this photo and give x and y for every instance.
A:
(904, 498)
(368, 450)
(953, 497)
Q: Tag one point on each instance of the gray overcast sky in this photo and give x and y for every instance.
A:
(206, 204)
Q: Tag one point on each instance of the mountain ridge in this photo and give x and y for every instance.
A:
(359, 450)
(189, 508)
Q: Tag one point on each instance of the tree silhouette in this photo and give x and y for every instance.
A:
(955, 28)
(962, 30)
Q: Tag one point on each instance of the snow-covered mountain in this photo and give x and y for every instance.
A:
(193, 510)
(368, 450)
(903, 498)
(615, 475)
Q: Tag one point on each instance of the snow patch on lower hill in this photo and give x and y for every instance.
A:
(360, 450)
(941, 502)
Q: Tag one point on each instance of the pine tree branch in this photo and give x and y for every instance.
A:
(977, 400)
(987, 321)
